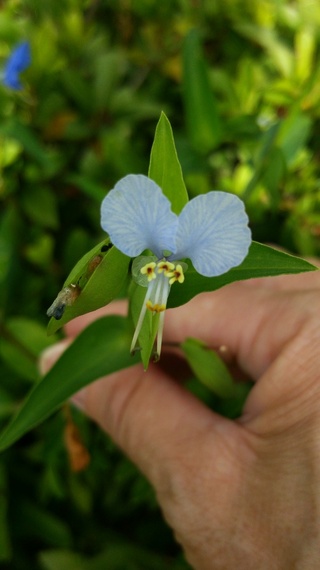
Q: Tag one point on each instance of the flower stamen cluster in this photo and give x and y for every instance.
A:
(160, 276)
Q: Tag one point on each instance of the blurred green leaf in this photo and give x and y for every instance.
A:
(262, 161)
(29, 333)
(164, 167)
(78, 89)
(202, 116)
(40, 205)
(18, 359)
(261, 261)
(40, 251)
(102, 348)
(10, 149)
(9, 223)
(5, 543)
(117, 556)
(293, 134)
(7, 404)
(21, 133)
(273, 174)
(62, 559)
(21, 342)
(109, 68)
(45, 525)
(89, 187)
(305, 46)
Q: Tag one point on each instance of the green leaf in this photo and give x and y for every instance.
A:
(201, 109)
(164, 167)
(100, 275)
(102, 348)
(261, 261)
(211, 370)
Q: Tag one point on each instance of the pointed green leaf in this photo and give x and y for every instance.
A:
(261, 261)
(164, 167)
(102, 348)
(100, 275)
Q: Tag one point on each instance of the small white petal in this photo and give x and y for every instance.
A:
(213, 233)
(137, 216)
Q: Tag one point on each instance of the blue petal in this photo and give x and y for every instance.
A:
(137, 216)
(213, 233)
(18, 61)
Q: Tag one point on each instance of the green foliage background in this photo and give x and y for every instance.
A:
(239, 80)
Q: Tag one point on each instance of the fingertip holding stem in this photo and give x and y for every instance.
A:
(51, 354)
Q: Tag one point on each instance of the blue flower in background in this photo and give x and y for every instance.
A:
(18, 61)
(211, 230)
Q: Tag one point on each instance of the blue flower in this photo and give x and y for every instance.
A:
(18, 61)
(211, 230)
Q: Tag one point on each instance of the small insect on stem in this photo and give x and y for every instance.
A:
(106, 247)
(64, 299)
(96, 260)
(93, 264)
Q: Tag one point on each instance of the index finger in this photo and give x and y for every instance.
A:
(254, 319)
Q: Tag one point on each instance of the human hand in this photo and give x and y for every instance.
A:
(239, 494)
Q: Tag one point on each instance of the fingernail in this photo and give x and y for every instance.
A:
(50, 355)
(79, 398)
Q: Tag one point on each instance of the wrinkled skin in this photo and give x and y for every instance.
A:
(242, 494)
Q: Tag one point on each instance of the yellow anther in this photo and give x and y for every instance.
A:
(177, 275)
(166, 267)
(149, 270)
(155, 307)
